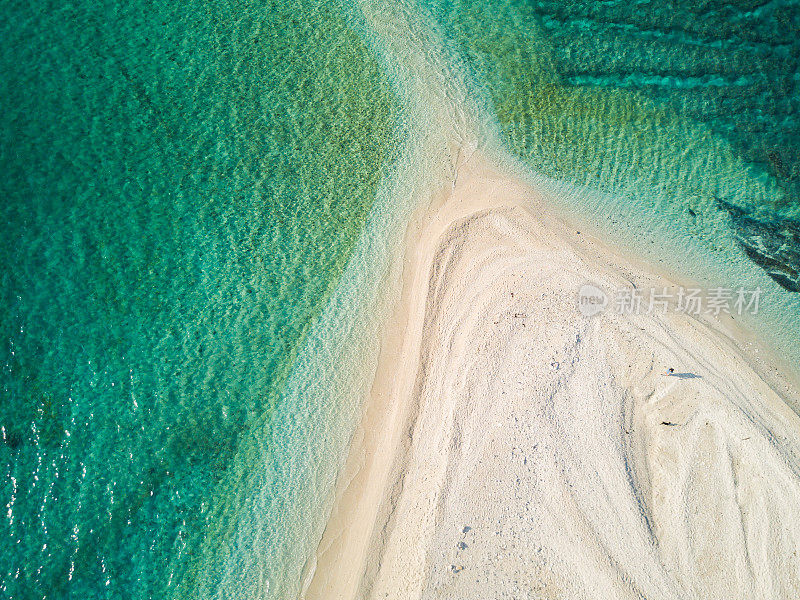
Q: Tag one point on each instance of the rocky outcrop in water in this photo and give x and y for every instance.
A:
(774, 246)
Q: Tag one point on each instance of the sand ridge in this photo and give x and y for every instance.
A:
(512, 447)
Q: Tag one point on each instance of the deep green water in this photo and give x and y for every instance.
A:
(184, 188)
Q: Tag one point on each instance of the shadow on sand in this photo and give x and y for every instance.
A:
(686, 376)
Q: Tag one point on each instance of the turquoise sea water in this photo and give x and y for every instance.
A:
(182, 188)
(199, 201)
(670, 127)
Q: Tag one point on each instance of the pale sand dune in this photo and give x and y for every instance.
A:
(513, 448)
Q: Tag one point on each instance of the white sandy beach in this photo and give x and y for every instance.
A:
(513, 448)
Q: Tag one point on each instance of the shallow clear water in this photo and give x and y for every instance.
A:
(671, 127)
(200, 202)
(182, 188)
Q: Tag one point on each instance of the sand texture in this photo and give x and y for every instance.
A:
(514, 448)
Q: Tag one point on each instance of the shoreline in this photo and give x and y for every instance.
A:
(370, 507)
(362, 481)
